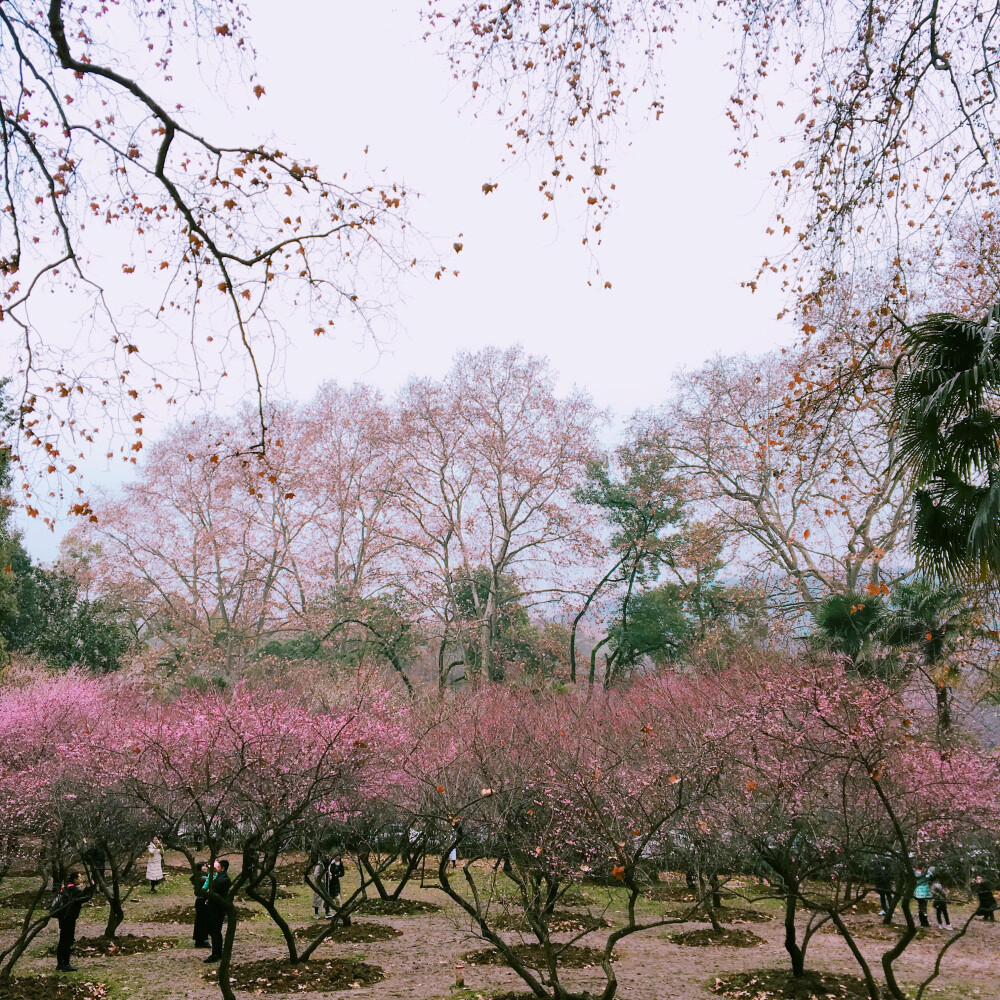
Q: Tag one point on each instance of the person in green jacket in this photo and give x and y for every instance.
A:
(922, 893)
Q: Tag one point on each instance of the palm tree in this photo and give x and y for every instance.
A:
(920, 617)
(948, 442)
(929, 618)
(851, 625)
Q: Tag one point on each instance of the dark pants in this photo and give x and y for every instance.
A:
(986, 906)
(215, 920)
(64, 949)
(922, 912)
(200, 932)
(941, 912)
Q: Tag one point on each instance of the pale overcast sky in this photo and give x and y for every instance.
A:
(688, 226)
(687, 229)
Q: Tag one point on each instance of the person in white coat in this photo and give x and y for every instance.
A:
(154, 864)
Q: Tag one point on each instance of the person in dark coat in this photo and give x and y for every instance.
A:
(883, 883)
(95, 858)
(987, 901)
(200, 932)
(66, 909)
(215, 910)
(337, 872)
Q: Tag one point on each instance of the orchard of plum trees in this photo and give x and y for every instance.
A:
(797, 784)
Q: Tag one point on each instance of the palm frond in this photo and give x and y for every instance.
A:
(947, 410)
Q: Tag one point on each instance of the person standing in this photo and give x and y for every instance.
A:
(940, 898)
(321, 883)
(200, 931)
(922, 893)
(215, 909)
(154, 864)
(66, 909)
(326, 877)
(337, 872)
(987, 901)
(95, 858)
(883, 882)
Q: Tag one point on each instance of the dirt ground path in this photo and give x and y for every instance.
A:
(420, 964)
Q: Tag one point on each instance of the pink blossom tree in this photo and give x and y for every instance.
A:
(564, 790)
(251, 774)
(101, 823)
(41, 725)
(825, 777)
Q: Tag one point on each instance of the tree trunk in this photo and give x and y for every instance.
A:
(870, 984)
(708, 896)
(442, 673)
(116, 914)
(889, 957)
(411, 867)
(943, 709)
(18, 949)
(579, 618)
(373, 876)
(593, 659)
(116, 911)
(795, 953)
(227, 952)
(713, 881)
(279, 921)
(494, 672)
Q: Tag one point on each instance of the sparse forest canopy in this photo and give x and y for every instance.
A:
(450, 506)
(446, 517)
(887, 112)
(108, 180)
(471, 528)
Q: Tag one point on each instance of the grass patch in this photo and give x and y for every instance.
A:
(779, 984)
(270, 975)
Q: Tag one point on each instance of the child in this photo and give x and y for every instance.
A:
(940, 898)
